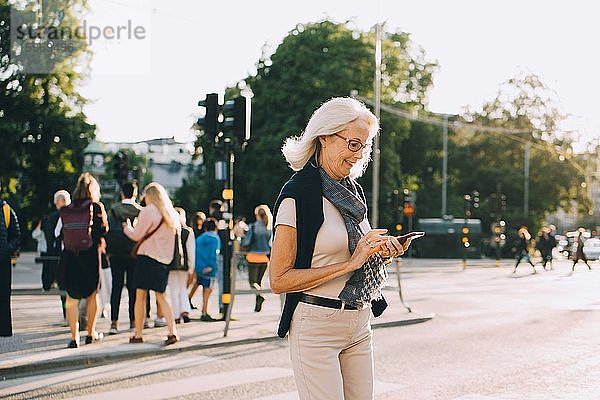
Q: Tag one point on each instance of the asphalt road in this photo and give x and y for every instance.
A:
(496, 335)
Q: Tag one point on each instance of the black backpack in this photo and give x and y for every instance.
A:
(117, 242)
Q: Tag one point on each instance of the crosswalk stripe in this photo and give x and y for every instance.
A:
(196, 384)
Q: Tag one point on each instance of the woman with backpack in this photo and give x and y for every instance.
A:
(257, 242)
(158, 237)
(83, 224)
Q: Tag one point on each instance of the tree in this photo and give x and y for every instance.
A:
(44, 130)
(494, 162)
(313, 63)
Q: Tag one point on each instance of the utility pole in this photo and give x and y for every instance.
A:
(376, 159)
(445, 167)
(526, 181)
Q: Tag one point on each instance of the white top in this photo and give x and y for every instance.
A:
(38, 235)
(331, 246)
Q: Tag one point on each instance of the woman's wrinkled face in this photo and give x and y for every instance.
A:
(340, 151)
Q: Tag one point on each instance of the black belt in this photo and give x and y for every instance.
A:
(324, 302)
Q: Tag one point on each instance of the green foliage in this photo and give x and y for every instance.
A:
(494, 162)
(315, 62)
(44, 130)
(321, 60)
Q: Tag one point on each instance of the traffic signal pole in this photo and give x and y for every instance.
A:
(229, 274)
(229, 124)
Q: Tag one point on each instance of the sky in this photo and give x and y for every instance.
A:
(148, 87)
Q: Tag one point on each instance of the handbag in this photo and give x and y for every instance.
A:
(178, 262)
(257, 258)
(146, 236)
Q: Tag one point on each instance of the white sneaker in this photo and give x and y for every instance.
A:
(160, 322)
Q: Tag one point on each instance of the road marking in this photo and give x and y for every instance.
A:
(121, 371)
(482, 397)
(380, 388)
(187, 386)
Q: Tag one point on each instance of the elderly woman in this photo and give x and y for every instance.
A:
(323, 254)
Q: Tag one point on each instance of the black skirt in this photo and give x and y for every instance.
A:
(81, 275)
(150, 274)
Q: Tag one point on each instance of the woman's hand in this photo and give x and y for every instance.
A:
(393, 248)
(364, 245)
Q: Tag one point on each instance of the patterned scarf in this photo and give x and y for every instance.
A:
(366, 283)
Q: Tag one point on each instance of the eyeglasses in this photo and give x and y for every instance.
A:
(353, 144)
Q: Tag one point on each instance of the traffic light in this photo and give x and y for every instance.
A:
(121, 167)
(475, 199)
(210, 122)
(116, 164)
(408, 207)
(406, 193)
(465, 238)
(498, 233)
(502, 202)
(468, 205)
(236, 118)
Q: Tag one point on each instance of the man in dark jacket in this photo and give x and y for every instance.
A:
(10, 235)
(50, 268)
(119, 250)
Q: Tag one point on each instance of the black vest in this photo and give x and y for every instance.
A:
(305, 188)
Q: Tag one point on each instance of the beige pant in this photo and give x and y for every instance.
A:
(332, 353)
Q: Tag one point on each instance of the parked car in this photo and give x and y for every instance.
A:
(591, 249)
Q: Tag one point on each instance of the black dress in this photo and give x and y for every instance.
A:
(82, 269)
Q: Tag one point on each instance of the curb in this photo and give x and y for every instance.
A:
(76, 362)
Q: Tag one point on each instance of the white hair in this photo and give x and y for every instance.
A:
(331, 117)
(62, 194)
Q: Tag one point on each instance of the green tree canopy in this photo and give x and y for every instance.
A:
(494, 162)
(44, 130)
(313, 63)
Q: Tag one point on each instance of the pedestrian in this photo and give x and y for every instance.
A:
(579, 254)
(198, 226)
(178, 280)
(51, 273)
(320, 256)
(215, 210)
(156, 232)
(119, 251)
(105, 280)
(240, 227)
(196, 223)
(545, 245)
(208, 247)
(257, 242)
(10, 236)
(53, 244)
(83, 224)
(522, 248)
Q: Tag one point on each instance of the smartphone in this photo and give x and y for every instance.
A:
(411, 235)
(402, 239)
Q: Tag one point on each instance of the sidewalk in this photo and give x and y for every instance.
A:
(40, 336)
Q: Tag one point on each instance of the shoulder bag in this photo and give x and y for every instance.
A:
(146, 236)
